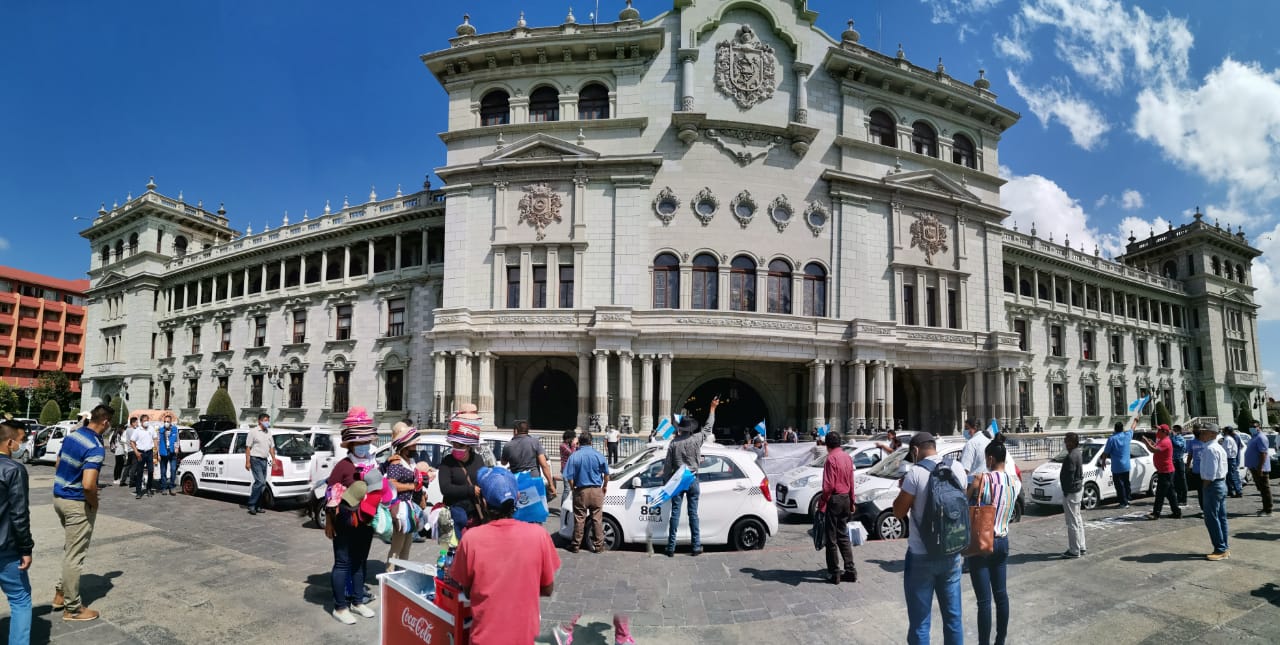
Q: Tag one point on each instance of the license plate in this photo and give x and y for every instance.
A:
(1039, 492)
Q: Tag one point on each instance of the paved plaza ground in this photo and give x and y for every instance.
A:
(201, 570)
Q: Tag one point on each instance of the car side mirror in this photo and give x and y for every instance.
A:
(635, 482)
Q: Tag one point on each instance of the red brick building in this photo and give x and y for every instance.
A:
(41, 327)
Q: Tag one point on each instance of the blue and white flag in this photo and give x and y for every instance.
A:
(823, 430)
(760, 429)
(1137, 406)
(678, 483)
(995, 427)
(666, 428)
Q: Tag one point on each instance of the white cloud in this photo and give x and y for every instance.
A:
(1014, 44)
(1131, 200)
(1200, 128)
(948, 11)
(1085, 122)
(1265, 277)
(4, 244)
(1101, 201)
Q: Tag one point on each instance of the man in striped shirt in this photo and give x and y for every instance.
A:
(75, 499)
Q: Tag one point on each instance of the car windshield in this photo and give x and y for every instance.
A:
(889, 467)
(634, 459)
(292, 445)
(1087, 453)
(647, 469)
(822, 460)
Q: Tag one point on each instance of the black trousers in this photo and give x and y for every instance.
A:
(1180, 480)
(1164, 491)
(613, 451)
(838, 513)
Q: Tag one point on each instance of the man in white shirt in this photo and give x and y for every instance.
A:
(974, 455)
(1213, 490)
(143, 444)
(611, 439)
(259, 453)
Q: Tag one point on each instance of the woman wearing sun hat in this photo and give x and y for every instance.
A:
(352, 535)
(408, 478)
(460, 469)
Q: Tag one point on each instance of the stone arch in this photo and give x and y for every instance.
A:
(534, 370)
(753, 6)
(775, 408)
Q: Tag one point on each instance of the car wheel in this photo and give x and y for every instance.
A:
(1151, 488)
(612, 534)
(748, 534)
(189, 485)
(267, 500)
(1089, 500)
(320, 516)
(889, 527)
(1018, 507)
(813, 505)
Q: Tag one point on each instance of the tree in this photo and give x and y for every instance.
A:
(54, 386)
(122, 412)
(9, 400)
(51, 413)
(1162, 415)
(220, 405)
(1244, 418)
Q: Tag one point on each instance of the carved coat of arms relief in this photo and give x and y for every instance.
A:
(746, 69)
(929, 235)
(540, 207)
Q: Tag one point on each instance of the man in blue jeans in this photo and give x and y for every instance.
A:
(686, 450)
(1117, 452)
(15, 534)
(1213, 483)
(927, 576)
(259, 452)
(168, 440)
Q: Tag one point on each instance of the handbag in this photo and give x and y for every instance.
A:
(982, 524)
(819, 530)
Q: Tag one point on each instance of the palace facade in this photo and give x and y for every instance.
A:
(637, 216)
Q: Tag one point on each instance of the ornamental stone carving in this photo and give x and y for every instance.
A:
(535, 320)
(743, 208)
(929, 235)
(816, 217)
(781, 212)
(936, 338)
(540, 207)
(746, 323)
(665, 205)
(746, 69)
(705, 204)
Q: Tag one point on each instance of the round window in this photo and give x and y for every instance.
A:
(745, 210)
(781, 214)
(667, 206)
(706, 207)
(817, 219)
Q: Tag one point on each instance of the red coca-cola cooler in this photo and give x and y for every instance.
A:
(415, 611)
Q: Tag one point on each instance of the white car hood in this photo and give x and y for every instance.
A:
(797, 473)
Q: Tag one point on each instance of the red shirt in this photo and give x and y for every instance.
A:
(837, 476)
(1164, 455)
(505, 564)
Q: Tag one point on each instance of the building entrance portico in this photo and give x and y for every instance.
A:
(741, 407)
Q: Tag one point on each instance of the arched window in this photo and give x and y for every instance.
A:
(495, 108)
(180, 246)
(1008, 284)
(666, 282)
(593, 102)
(962, 151)
(1217, 266)
(119, 249)
(706, 282)
(544, 105)
(883, 129)
(159, 241)
(106, 254)
(815, 290)
(1240, 273)
(1170, 270)
(133, 243)
(924, 141)
(1024, 288)
(742, 284)
(779, 287)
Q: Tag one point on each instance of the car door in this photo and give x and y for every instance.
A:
(724, 489)
(1141, 468)
(325, 456)
(239, 478)
(212, 474)
(638, 517)
(54, 445)
(1102, 475)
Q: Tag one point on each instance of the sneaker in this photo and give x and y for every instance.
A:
(172, 494)
(138, 496)
(850, 576)
(669, 553)
(1218, 555)
(1084, 551)
(362, 610)
(1151, 516)
(563, 634)
(85, 614)
(344, 616)
(253, 511)
(1068, 554)
(833, 578)
(696, 552)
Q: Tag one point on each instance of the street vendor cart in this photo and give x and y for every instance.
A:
(417, 607)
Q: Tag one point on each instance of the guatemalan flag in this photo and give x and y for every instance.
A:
(760, 429)
(678, 483)
(666, 428)
(995, 427)
(1137, 406)
(823, 430)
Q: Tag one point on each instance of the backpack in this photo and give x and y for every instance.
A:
(944, 528)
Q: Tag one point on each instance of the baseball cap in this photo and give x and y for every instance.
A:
(497, 486)
(921, 438)
(688, 424)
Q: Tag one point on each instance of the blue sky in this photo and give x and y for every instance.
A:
(1133, 113)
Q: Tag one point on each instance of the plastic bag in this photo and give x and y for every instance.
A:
(382, 524)
(857, 533)
(531, 499)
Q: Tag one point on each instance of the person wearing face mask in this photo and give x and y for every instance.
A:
(352, 535)
(408, 476)
(460, 469)
(259, 452)
(168, 455)
(16, 543)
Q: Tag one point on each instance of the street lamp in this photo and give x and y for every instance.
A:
(275, 380)
(29, 390)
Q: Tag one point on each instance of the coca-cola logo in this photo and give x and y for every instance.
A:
(419, 625)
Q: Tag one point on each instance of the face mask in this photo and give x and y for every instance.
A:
(460, 454)
(361, 451)
(266, 425)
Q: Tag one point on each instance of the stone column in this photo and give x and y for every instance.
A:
(369, 273)
(553, 277)
(486, 390)
(579, 279)
(858, 394)
(664, 385)
(601, 407)
(1015, 406)
(461, 379)
(998, 411)
(199, 291)
(626, 405)
(817, 393)
(282, 275)
(324, 266)
(526, 277)
(802, 91)
(836, 414)
(935, 404)
(346, 263)
(646, 394)
(439, 400)
(888, 394)
(876, 412)
(687, 58)
(981, 409)
(399, 242)
(302, 271)
(499, 299)
(584, 390)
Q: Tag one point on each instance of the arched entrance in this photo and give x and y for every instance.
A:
(553, 401)
(741, 407)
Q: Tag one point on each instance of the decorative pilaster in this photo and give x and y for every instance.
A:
(486, 389)
(601, 408)
(817, 393)
(646, 394)
(664, 385)
(461, 379)
(858, 394)
(584, 389)
(626, 405)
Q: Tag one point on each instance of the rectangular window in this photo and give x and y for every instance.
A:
(300, 326)
(153, 342)
(513, 287)
(1091, 400)
(168, 344)
(1020, 328)
(341, 391)
(1024, 397)
(931, 306)
(566, 286)
(953, 309)
(226, 336)
(193, 390)
(1055, 340)
(1118, 405)
(908, 304)
(1059, 400)
(1199, 358)
(394, 380)
(1195, 318)
(343, 331)
(223, 381)
(1086, 345)
(742, 289)
(1164, 355)
(295, 390)
(1140, 351)
(260, 331)
(395, 317)
(255, 390)
(540, 287)
(1117, 348)
(195, 341)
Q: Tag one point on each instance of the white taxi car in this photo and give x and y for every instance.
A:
(735, 503)
(875, 489)
(1098, 485)
(797, 489)
(219, 467)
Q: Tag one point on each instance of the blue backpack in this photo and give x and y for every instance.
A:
(944, 528)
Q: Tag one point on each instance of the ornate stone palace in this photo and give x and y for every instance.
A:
(639, 215)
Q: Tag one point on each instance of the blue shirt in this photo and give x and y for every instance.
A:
(168, 440)
(1179, 448)
(1194, 447)
(1255, 454)
(586, 467)
(1117, 450)
(82, 450)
